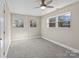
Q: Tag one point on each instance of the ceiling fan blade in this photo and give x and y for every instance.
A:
(43, 1)
(48, 2)
(50, 6)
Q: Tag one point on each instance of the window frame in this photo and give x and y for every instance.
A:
(56, 22)
(64, 14)
(48, 19)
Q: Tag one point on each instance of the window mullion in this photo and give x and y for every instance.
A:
(57, 22)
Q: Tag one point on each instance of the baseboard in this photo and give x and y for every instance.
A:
(62, 45)
(17, 39)
(30, 37)
(34, 37)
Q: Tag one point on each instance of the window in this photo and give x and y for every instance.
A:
(33, 23)
(64, 20)
(52, 22)
(18, 21)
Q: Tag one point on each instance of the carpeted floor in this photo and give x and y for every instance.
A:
(38, 48)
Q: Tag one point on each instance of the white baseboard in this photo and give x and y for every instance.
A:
(17, 39)
(62, 45)
(34, 37)
(30, 37)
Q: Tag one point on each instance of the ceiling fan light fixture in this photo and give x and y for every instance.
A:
(43, 7)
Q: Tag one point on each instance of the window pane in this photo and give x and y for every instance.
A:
(33, 23)
(52, 20)
(51, 24)
(64, 20)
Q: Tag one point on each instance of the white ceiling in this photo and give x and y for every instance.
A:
(27, 7)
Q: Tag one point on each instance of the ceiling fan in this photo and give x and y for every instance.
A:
(44, 5)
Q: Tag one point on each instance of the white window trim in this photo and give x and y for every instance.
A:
(57, 20)
(52, 22)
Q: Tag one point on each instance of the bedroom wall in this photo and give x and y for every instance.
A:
(65, 36)
(27, 32)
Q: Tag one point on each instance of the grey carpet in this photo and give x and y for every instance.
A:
(38, 48)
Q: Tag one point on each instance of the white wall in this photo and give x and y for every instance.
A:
(26, 32)
(66, 36)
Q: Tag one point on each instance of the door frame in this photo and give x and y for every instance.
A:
(3, 30)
